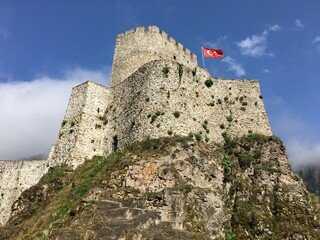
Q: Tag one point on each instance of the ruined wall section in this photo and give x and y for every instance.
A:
(82, 133)
(154, 103)
(135, 48)
(15, 177)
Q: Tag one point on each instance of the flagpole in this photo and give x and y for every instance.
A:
(202, 57)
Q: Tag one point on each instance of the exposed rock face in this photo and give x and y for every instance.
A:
(172, 189)
(266, 200)
(16, 177)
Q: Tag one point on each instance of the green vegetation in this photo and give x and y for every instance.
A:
(198, 136)
(222, 126)
(165, 71)
(147, 99)
(63, 123)
(153, 195)
(208, 83)
(229, 118)
(155, 116)
(170, 132)
(193, 220)
(158, 144)
(205, 126)
(176, 114)
(180, 71)
(229, 235)
(104, 119)
(194, 72)
(226, 165)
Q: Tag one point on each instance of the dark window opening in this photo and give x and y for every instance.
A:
(98, 110)
(174, 57)
(115, 143)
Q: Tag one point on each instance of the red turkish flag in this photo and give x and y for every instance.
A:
(212, 53)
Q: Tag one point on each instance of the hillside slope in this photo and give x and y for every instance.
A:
(172, 188)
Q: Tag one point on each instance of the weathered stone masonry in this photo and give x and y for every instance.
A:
(156, 89)
(15, 177)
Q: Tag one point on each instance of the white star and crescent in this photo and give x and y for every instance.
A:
(210, 52)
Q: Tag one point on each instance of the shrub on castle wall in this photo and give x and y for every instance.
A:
(165, 71)
(180, 71)
(63, 123)
(198, 136)
(208, 83)
(176, 114)
(194, 72)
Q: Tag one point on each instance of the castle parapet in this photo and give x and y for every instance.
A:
(134, 48)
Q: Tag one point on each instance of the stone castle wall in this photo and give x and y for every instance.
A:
(135, 48)
(153, 104)
(82, 133)
(15, 177)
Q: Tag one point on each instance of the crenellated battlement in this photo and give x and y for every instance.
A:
(137, 47)
(163, 34)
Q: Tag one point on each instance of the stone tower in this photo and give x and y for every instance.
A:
(135, 48)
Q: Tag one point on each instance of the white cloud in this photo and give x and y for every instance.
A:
(275, 27)
(301, 139)
(31, 112)
(234, 66)
(255, 45)
(298, 24)
(265, 70)
(302, 153)
(316, 39)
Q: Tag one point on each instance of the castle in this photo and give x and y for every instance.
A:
(156, 90)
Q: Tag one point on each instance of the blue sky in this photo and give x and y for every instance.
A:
(46, 47)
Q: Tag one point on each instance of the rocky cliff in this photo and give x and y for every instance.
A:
(172, 188)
